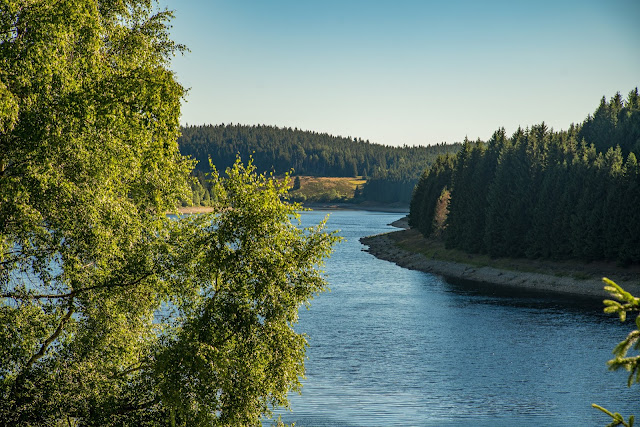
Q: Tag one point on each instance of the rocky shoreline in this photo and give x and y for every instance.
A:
(384, 247)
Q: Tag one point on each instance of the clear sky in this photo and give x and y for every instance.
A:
(404, 71)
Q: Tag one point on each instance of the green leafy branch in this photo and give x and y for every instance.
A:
(624, 302)
(618, 420)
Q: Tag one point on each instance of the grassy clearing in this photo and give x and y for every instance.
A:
(321, 189)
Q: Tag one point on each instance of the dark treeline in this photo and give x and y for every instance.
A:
(571, 194)
(391, 186)
(391, 172)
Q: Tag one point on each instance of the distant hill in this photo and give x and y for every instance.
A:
(391, 172)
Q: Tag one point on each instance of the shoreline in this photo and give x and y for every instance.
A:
(391, 208)
(192, 210)
(385, 247)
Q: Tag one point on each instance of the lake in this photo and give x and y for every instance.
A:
(395, 347)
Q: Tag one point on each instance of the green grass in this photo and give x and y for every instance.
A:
(321, 189)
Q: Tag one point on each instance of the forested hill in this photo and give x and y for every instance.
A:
(391, 172)
(541, 193)
(307, 153)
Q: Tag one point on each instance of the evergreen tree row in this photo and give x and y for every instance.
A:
(543, 194)
(392, 172)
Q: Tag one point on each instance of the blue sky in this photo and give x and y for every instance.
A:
(404, 71)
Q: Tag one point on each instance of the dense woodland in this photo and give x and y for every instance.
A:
(391, 172)
(541, 193)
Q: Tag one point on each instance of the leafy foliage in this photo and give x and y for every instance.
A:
(235, 354)
(623, 303)
(113, 313)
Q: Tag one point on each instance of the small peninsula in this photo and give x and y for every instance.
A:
(409, 249)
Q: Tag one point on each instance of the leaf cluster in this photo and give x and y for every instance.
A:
(112, 312)
(622, 303)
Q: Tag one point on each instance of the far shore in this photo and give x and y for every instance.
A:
(575, 279)
(365, 206)
(392, 208)
(188, 210)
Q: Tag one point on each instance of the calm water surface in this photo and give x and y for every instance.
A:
(394, 347)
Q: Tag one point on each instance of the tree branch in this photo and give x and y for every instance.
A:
(132, 408)
(41, 296)
(116, 285)
(48, 341)
(76, 291)
(131, 370)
